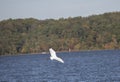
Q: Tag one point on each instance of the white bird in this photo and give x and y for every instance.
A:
(54, 56)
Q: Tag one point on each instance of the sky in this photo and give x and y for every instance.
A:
(55, 9)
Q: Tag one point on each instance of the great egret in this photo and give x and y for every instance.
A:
(54, 56)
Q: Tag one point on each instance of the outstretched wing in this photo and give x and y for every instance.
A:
(52, 52)
(59, 59)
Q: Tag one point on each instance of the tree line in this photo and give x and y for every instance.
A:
(19, 36)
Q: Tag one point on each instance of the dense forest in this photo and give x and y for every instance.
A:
(95, 32)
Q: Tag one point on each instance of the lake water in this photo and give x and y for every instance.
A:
(84, 66)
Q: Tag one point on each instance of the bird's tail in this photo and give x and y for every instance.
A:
(51, 58)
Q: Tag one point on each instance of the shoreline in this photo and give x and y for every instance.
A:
(44, 53)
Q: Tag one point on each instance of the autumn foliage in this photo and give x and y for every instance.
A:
(78, 33)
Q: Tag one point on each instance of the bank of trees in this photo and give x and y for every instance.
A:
(77, 33)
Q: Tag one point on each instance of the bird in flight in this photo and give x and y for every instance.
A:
(54, 56)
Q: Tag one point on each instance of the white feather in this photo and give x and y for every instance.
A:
(54, 56)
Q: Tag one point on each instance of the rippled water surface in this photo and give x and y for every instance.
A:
(84, 66)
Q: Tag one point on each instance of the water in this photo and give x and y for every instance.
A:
(84, 66)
